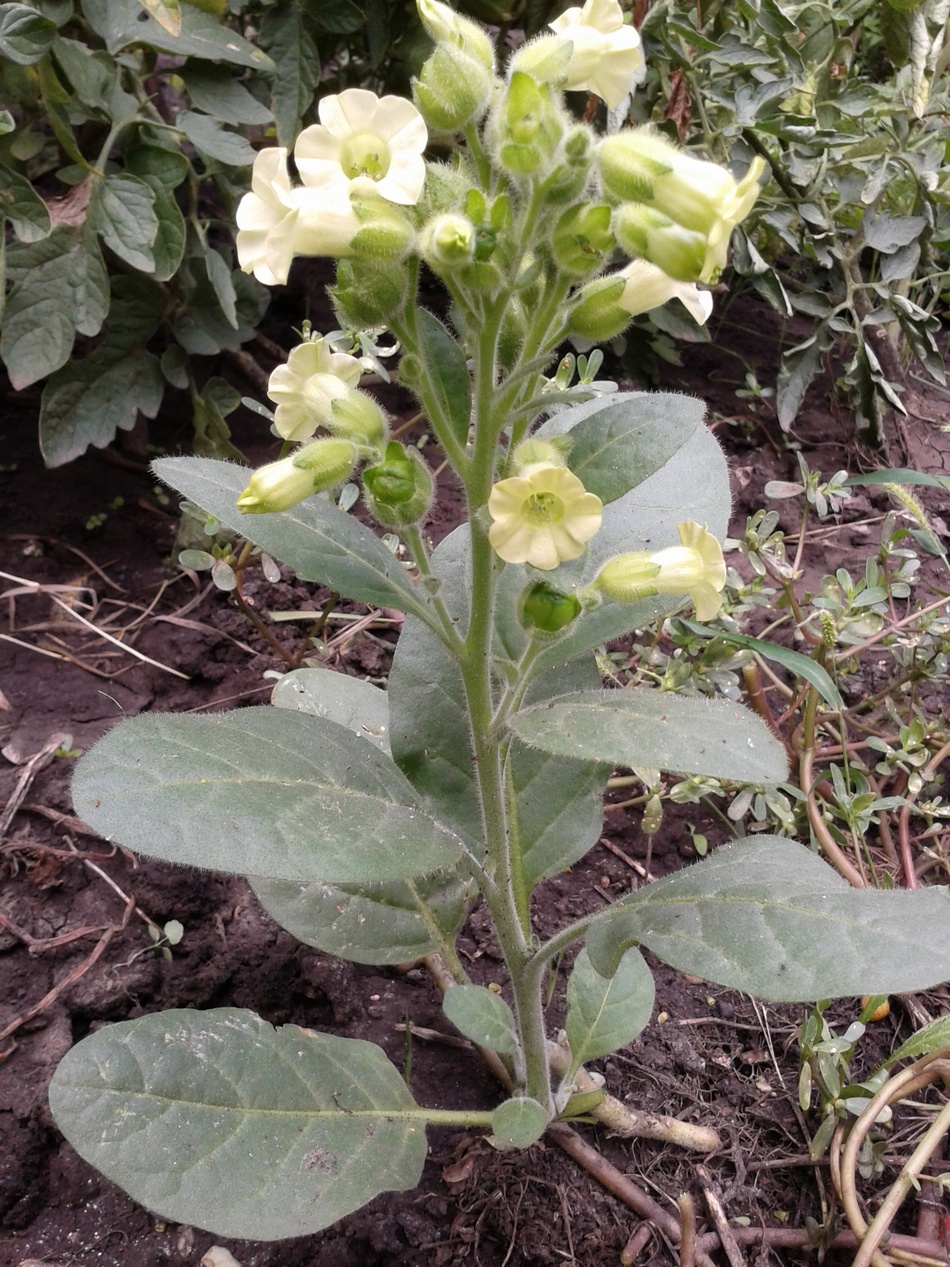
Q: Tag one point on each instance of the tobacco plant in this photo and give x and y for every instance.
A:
(370, 822)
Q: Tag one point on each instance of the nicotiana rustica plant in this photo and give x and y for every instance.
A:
(368, 822)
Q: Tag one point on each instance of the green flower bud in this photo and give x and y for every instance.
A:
(357, 417)
(452, 89)
(444, 26)
(544, 59)
(398, 489)
(653, 236)
(543, 609)
(530, 125)
(597, 315)
(449, 241)
(384, 232)
(312, 469)
(583, 239)
(551, 452)
(368, 292)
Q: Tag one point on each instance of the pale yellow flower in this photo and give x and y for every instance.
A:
(649, 287)
(305, 388)
(543, 516)
(606, 56)
(312, 469)
(365, 143)
(277, 221)
(695, 567)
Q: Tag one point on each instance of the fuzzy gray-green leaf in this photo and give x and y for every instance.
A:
(481, 1015)
(606, 1013)
(218, 1120)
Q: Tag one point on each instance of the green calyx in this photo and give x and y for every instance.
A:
(398, 489)
(545, 609)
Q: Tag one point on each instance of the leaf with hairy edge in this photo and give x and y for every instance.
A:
(481, 1015)
(389, 923)
(23, 207)
(261, 791)
(447, 372)
(371, 923)
(319, 541)
(619, 442)
(767, 916)
(802, 666)
(518, 1122)
(606, 1013)
(218, 1120)
(644, 727)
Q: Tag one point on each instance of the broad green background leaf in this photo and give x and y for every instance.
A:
(286, 36)
(122, 210)
(261, 791)
(218, 1120)
(167, 13)
(802, 666)
(645, 727)
(320, 542)
(371, 923)
(60, 287)
(219, 275)
(87, 402)
(23, 206)
(119, 24)
(339, 17)
(204, 330)
(481, 1015)
(767, 916)
(620, 442)
(447, 372)
(518, 1122)
(215, 91)
(604, 1014)
(25, 35)
(214, 140)
(163, 171)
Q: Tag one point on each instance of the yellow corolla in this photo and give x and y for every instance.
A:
(542, 516)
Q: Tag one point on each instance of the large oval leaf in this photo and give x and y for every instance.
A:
(606, 1013)
(644, 727)
(218, 1120)
(261, 791)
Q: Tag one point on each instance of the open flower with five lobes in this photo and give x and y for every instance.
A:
(305, 388)
(542, 516)
(365, 143)
(277, 221)
(649, 287)
(606, 57)
(695, 567)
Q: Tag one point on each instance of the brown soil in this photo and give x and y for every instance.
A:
(708, 1055)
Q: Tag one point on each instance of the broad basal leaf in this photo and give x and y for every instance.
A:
(260, 791)
(766, 915)
(644, 727)
(320, 542)
(218, 1120)
(349, 701)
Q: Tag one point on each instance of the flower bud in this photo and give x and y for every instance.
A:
(530, 125)
(696, 567)
(598, 314)
(444, 26)
(452, 89)
(368, 292)
(583, 239)
(653, 236)
(450, 241)
(384, 232)
(544, 609)
(312, 469)
(537, 450)
(398, 489)
(544, 59)
(357, 417)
